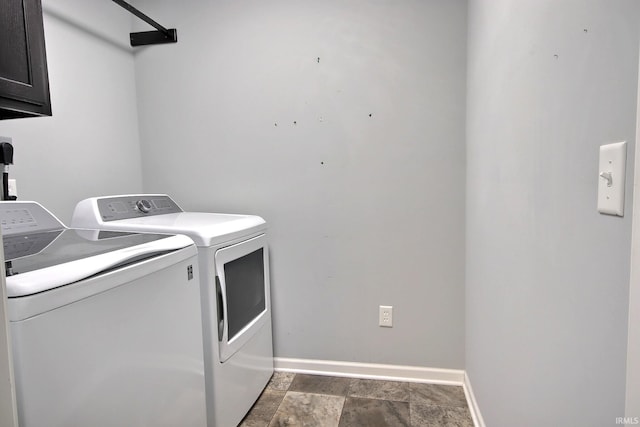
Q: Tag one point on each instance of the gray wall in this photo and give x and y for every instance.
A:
(356, 161)
(547, 276)
(90, 144)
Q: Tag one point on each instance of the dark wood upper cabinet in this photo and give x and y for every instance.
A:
(24, 80)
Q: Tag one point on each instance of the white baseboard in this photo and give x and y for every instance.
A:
(376, 371)
(370, 371)
(473, 404)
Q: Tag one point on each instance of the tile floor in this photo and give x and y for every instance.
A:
(298, 400)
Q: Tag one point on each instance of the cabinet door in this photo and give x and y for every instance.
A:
(24, 82)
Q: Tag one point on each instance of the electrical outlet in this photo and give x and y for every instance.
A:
(13, 187)
(385, 316)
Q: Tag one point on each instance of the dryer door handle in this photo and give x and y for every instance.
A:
(220, 309)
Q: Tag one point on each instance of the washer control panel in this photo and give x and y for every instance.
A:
(136, 206)
(26, 217)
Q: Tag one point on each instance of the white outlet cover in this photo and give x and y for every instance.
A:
(385, 316)
(613, 159)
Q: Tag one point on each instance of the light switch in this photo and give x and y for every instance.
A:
(611, 177)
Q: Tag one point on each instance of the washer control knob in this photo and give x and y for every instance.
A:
(143, 206)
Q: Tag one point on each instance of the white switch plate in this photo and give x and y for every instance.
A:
(13, 187)
(611, 178)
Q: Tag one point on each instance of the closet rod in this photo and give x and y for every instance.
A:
(162, 35)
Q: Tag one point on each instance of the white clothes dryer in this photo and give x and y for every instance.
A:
(105, 327)
(235, 289)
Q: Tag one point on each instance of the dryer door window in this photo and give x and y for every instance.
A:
(242, 284)
(245, 290)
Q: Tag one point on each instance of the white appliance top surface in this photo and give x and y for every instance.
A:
(158, 213)
(206, 229)
(42, 254)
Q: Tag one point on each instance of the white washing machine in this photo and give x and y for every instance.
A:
(234, 274)
(105, 327)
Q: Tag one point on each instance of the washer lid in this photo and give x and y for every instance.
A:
(41, 261)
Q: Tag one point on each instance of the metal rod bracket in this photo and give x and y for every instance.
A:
(143, 38)
(162, 35)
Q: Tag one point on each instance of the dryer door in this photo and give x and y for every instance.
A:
(242, 287)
